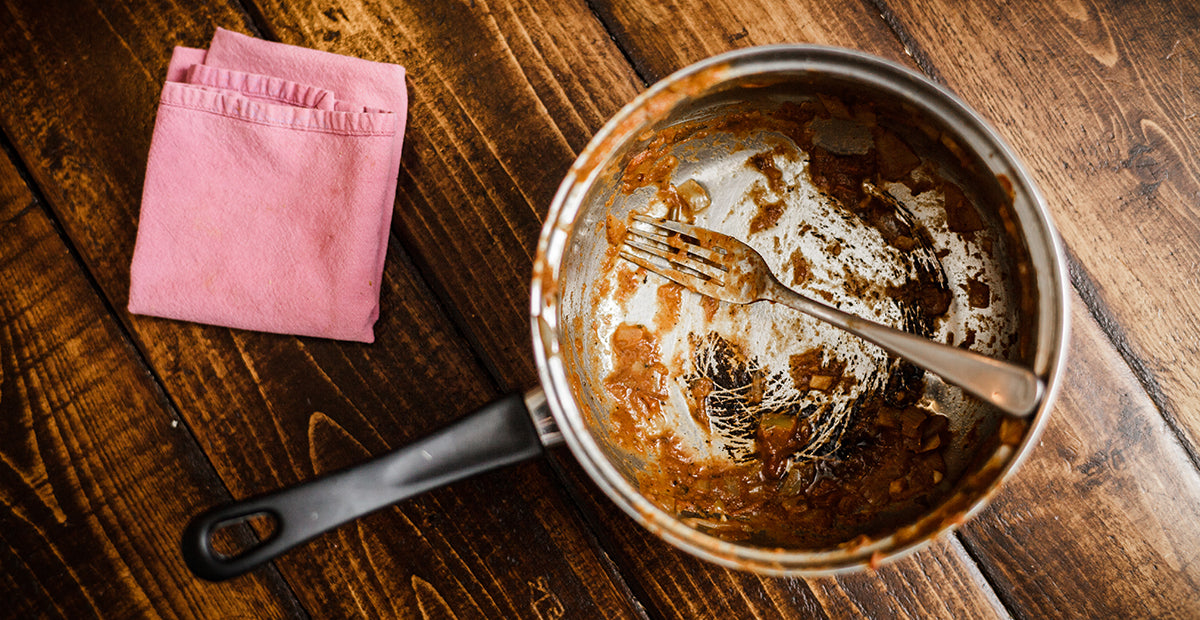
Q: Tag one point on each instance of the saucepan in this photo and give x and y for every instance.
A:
(750, 435)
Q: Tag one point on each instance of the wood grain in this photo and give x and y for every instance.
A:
(1100, 98)
(270, 410)
(661, 37)
(97, 475)
(1103, 104)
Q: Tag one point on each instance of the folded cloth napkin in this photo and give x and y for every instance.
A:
(269, 189)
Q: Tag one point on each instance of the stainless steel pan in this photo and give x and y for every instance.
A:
(578, 300)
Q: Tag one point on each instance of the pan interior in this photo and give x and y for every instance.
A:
(727, 375)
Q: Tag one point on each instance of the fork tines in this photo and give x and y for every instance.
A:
(672, 250)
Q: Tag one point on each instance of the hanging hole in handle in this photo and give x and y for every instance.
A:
(236, 536)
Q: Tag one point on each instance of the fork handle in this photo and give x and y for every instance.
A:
(1012, 388)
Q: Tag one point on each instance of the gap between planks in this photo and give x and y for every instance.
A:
(40, 202)
(1083, 283)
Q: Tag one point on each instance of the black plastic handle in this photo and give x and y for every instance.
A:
(500, 434)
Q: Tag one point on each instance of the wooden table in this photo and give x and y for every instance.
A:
(115, 429)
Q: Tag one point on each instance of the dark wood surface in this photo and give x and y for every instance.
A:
(115, 429)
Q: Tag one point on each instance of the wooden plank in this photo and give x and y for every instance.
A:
(661, 37)
(97, 475)
(481, 164)
(1101, 521)
(272, 410)
(1104, 107)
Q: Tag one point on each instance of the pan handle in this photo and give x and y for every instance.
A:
(499, 434)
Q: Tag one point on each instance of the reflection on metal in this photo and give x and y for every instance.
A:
(543, 420)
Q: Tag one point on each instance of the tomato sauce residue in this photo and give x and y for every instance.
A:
(670, 296)
(637, 384)
(801, 270)
(769, 211)
(897, 467)
(614, 230)
(627, 282)
(961, 217)
(699, 390)
(894, 463)
(710, 306)
(809, 370)
(979, 294)
(888, 465)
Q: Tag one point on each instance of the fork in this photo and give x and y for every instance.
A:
(719, 266)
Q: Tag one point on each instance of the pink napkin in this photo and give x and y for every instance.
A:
(269, 189)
